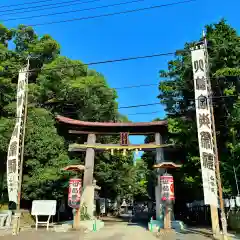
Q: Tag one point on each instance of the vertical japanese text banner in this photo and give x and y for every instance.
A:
(204, 125)
(15, 145)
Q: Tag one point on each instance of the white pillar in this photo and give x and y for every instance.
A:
(159, 159)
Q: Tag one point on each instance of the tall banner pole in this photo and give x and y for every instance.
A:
(206, 129)
(219, 182)
(23, 135)
(16, 145)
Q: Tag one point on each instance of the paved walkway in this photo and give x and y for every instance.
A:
(113, 231)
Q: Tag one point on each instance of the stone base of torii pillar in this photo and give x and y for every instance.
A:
(88, 195)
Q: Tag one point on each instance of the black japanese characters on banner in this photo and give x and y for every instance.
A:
(212, 183)
(201, 83)
(206, 140)
(199, 65)
(208, 160)
(12, 165)
(204, 120)
(204, 124)
(15, 146)
(202, 102)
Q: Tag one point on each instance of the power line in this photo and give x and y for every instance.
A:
(136, 86)
(140, 105)
(101, 62)
(110, 61)
(143, 113)
(131, 58)
(112, 14)
(72, 11)
(157, 103)
(25, 3)
(45, 7)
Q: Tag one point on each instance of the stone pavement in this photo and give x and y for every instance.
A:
(133, 231)
(113, 231)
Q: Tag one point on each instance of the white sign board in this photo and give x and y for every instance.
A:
(204, 125)
(44, 207)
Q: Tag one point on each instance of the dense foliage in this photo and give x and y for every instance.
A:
(177, 93)
(57, 85)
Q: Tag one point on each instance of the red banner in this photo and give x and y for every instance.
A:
(167, 188)
(74, 192)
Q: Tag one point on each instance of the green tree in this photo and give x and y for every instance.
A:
(177, 94)
(57, 85)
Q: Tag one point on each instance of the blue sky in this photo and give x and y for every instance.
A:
(143, 33)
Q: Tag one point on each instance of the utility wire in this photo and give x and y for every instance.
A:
(140, 105)
(153, 104)
(105, 62)
(45, 7)
(73, 11)
(101, 62)
(157, 103)
(110, 61)
(143, 113)
(111, 14)
(23, 4)
(136, 86)
(130, 58)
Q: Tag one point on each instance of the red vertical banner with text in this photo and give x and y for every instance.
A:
(74, 192)
(167, 188)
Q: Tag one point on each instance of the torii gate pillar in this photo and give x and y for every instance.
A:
(159, 159)
(88, 188)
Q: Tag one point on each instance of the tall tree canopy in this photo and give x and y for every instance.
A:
(57, 85)
(177, 94)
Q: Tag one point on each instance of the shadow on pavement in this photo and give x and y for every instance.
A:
(199, 232)
(127, 220)
(140, 224)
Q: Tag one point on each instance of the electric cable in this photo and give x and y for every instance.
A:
(72, 11)
(111, 14)
(45, 7)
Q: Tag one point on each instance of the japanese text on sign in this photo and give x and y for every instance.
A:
(167, 189)
(204, 125)
(74, 193)
(15, 145)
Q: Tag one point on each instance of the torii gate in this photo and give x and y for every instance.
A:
(91, 129)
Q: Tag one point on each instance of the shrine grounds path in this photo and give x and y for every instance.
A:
(111, 231)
